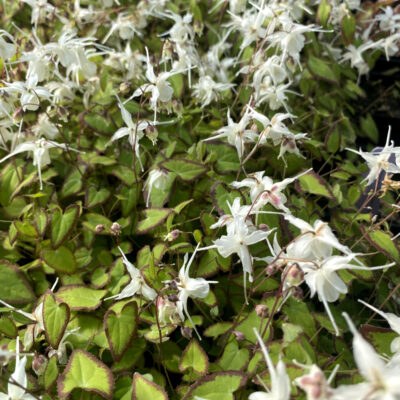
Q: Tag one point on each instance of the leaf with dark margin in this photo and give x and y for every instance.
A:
(40, 222)
(321, 70)
(143, 389)
(194, 357)
(94, 197)
(86, 372)
(186, 170)
(50, 373)
(8, 327)
(217, 329)
(79, 297)
(153, 218)
(62, 224)
(61, 259)
(380, 338)
(55, 318)
(383, 242)
(313, 183)
(17, 290)
(221, 193)
(121, 328)
(217, 386)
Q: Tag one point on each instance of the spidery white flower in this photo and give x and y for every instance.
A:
(195, 288)
(157, 178)
(378, 161)
(207, 90)
(280, 383)
(40, 149)
(136, 285)
(15, 392)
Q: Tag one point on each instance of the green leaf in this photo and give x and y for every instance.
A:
(61, 259)
(186, 170)
(321, 70)
(324, 10)
(313, 183)
(369, 127)
(121, 328)
(217, 386)
(143, 389)
(221, 194)
(26, 228)
(79, 297)
(72, 184)
(50, 373)
(234, 358)
(99, 123)
(153, 218)
(17, 290)
(217, 329)
(194, 357)
(55, 318)
(86, 372)
(95, 197)
(62, 224)
(383, 242)
(40, 221)
(348, 28)
(380, 338)
(8, 327)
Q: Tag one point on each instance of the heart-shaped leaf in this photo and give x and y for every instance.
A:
(121, 328)
(17, 290)
(143, 389)
(55, 319)
(218, 386)
(95, 197)
(79, 297)
(186, 170)
(86, 372)
(195, 357)
(153, 218)
(63, 223)
(61, 259)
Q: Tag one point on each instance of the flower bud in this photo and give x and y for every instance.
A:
(116, 228)
(297, 293)
(173, 285)
(262, 310)
(39, 364)
(99, 228)
(263, 227)
(271, 269)
(295, 275)
(152, 133)
(186, 332)
(239, 336)
(173, 297)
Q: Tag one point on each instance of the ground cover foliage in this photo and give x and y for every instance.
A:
(185, 210)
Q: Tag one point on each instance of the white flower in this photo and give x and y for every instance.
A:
(236, 133)
(157, 178)
(30, 93)
(125, 24)
(239, 237)
(263, 190)
(40, 149)
(323, 280)
(195, 288)
(7, 50)
(378, 161)
(280, 383)
(394, 322)
(315, 384)
(182, 31)
(159, 86)
(15, 392)
(136, 285)
(315, 241)
(382, 380)
(207, 90)
(44, 127)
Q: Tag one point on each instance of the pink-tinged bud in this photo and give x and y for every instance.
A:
(262, 310)
(254, 127)
(295, 275)
(167, 311)
(175, 234)
(186, 332)
(263, 227)
(39, 364)
(19, 112)
(116, 228)
(271, 269)
(99, 228)
(239, 336)
(124, 87)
